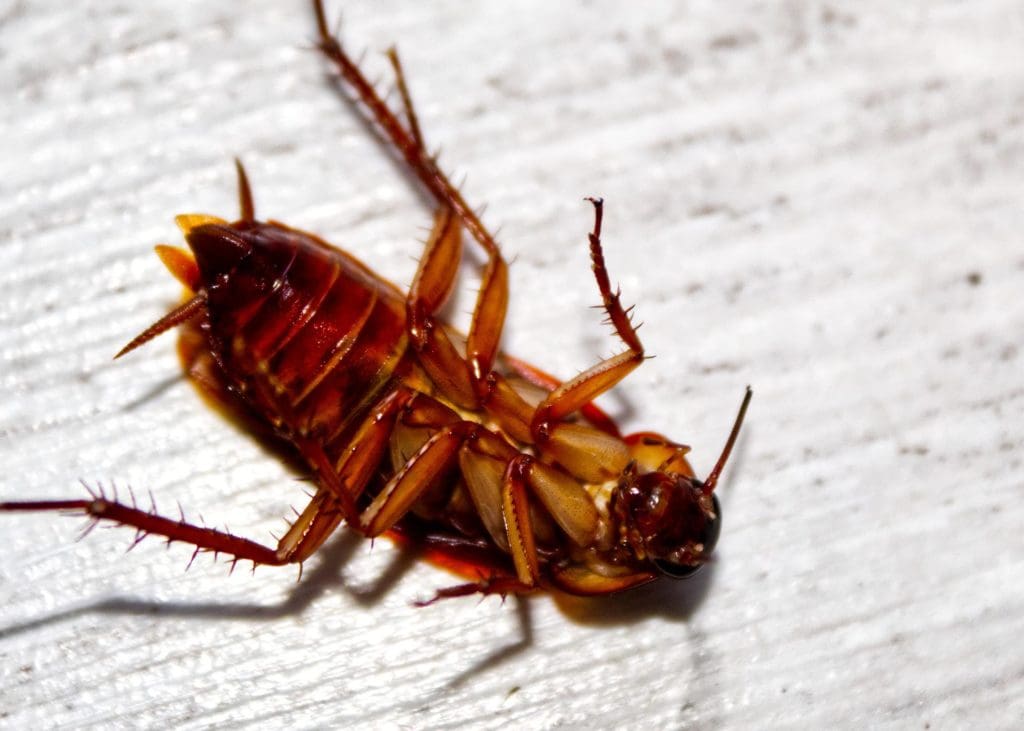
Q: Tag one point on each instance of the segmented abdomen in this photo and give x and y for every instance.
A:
(310, 336)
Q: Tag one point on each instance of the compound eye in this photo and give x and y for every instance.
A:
(675, 570)
(713, 529)
(709, 537)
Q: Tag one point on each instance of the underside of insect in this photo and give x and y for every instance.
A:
(409, 426)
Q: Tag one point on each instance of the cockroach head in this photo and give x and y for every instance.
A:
(667, 518)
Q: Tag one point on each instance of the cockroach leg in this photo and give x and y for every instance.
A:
(454, 441)
(99, 508)
(464, 380)
(516, 510)
(500, 585)
(430, 288)
(492, 300)
(311, 449)
(411, 117)
(481, 454)
(489, 313)
(363, 456)
(486, 325)
(594, 414)
(584, 388)
(317, 521)
(346, 480)
(314, 525)
(402, 490)
(406, 142)
(468, 384)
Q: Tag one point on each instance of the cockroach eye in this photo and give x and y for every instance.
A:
(708, 538)
(713, 529)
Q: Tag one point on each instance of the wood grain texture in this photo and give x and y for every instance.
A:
(823, 200)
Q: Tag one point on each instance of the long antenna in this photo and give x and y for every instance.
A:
(709, 484)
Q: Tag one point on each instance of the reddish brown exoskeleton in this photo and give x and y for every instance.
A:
(411, 427)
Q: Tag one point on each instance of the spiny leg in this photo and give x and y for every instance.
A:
(434, 282)
(489, 313)
(486, 586)
(430, 288)
(411, 118)
(402, 490)
(325, 511)
(536, 377)
(465, 380)
(406, 142)
(437, 455)
(452, 438)
(523, 479)
(492, 300)
(584, 388)
(352, 472)
(497, 477)
(313, 526)
(345, 480)
(310, 527)
(361, 459)
(516, 509)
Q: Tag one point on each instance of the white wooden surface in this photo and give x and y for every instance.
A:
(821, 200)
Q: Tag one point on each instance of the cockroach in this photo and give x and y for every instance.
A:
(406, 425)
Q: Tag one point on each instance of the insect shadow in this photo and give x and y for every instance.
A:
(674, 600)
(661, 598)
(666, 599)
(325, 576)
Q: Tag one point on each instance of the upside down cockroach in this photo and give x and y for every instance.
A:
(410, 426)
